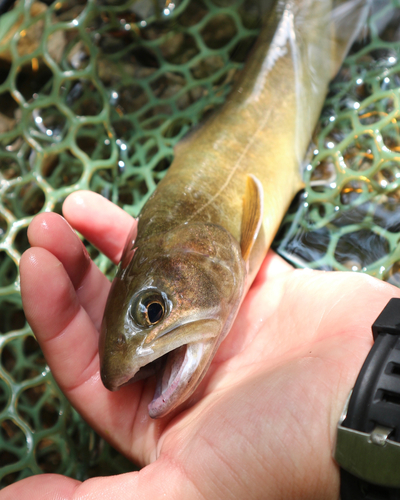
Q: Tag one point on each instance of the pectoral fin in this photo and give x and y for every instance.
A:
(252, 215)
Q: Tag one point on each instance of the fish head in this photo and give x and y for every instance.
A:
(171, 303)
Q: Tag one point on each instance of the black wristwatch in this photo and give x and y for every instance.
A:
(368, 437)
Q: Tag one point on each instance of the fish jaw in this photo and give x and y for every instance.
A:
(183, 356)
(183, 370)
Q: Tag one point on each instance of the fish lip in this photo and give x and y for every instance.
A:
(206, 325)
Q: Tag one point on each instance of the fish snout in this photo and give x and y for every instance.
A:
(112, 347)
(113, 366)
(107, 382)
(108, 374)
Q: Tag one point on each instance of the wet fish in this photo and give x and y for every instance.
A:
(204, 232)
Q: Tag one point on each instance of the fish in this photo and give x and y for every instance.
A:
(202, 235)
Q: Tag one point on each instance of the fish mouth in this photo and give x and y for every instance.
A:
(177, 364)
(178, 373)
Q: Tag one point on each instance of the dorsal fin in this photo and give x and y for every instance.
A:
(252, 215)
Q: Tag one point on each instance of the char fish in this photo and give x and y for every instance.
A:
(202, 235)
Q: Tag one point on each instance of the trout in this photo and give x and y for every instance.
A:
(203, 234)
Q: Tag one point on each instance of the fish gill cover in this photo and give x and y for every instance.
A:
(94, 95)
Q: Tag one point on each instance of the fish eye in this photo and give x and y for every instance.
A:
(148, 309)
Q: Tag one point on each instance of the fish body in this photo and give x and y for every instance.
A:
(204, 232)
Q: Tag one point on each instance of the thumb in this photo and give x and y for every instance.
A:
(158, 480)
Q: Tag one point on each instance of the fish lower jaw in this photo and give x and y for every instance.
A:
(179, 376)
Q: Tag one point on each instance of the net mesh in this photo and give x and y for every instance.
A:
(94, 95)
(347, 217)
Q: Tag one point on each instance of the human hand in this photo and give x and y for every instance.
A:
(263, 421)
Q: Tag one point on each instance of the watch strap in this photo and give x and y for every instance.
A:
(368, 440)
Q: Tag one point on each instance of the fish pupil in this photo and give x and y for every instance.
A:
(155, 312)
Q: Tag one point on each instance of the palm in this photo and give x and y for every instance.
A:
(263, 418)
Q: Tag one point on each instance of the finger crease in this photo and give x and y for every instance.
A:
(61, 332)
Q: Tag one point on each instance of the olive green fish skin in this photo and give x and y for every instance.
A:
(187, 245)
(263, 129)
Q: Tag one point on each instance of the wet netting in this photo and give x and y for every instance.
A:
(94, 95)
(348, 217)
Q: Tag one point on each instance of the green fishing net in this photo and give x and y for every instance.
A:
(94, 95)
(348, 216)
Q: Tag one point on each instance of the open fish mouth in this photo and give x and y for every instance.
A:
(178, 373)
(183, 369)
(178, 359)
